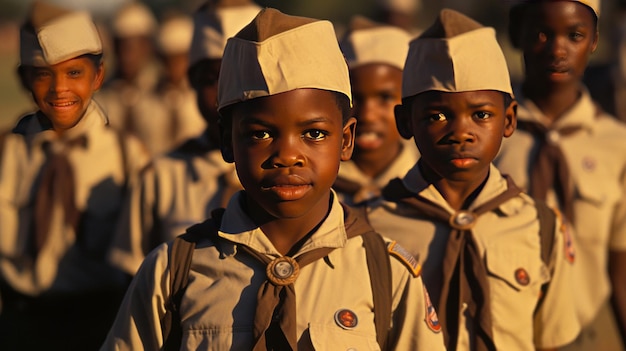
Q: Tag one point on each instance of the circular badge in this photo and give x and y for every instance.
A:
(522, 277)
(463, 220)
(282, 271)
(346, 319)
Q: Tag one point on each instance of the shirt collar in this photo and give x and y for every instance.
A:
(496, 184)
(238, 228)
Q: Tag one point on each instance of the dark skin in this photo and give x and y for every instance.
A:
(63, 91)
(203, 77)
(132, 53)
(458, 135)
(377, 89)
(557, 39)
(287, 148)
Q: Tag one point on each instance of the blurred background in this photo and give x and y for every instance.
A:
(416, 14)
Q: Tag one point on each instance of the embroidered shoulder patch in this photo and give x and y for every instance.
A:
(405, 257)
(432, 321)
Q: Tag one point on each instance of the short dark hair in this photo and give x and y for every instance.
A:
(518, 13)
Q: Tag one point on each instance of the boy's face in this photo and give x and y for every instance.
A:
(287, 148)
(557, 38)
(203, 78)
(63, 91)
(458, 134)
(376, 88)
(176, 67)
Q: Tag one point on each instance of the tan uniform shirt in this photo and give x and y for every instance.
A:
(182, 107)
(350, 171)
(219, 304)
(596, 157)
(136, 108)
(62, 265)
(175, 192)
(508, 240)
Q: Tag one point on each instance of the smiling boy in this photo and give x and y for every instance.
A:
(497, 273)
(285, 266)
(375, 55)
(572, 155)
(62, 178)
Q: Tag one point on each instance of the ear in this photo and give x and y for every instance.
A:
(510, 119)
(226, 141)
(347, 144)
(25, 75)
(403, 120)
(99, 79)
(594, 45)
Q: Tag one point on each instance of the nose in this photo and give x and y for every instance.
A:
(288, 152)
(460, 131)
(58, 83)
(557, 48)
(366, 110)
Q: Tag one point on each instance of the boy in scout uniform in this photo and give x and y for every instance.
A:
(287, 269)
(572, 155)
(128, 97)
(375, 55)
(184, 186)
(498, 274)
(173, 90)
(62, 179)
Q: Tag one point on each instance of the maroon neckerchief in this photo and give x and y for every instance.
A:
(57, 183)
(549, 167)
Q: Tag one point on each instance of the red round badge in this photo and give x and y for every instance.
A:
(521, 276)
(346, 319)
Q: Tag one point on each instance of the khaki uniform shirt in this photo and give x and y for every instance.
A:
(182, 107)
(137, 105)
(62, 265)
(350, 171)
(219, 304)
(175, 192)
(596, 157)
(508, 240)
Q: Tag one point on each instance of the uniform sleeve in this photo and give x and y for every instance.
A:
(138, 322)
(414, 320)
(128, 247)
(618, 228)
(556, 323)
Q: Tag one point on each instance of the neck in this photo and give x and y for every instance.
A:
(553, 101)
(373, 164)
(286, 234)
(458, 193)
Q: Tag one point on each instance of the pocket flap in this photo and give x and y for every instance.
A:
(517, 268)
(326, 337)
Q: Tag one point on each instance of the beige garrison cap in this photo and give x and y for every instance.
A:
(132, 20)
(277, 53)
(174, 35)
(214, 23)
(370, 42)
(455, 54)
(52, 34)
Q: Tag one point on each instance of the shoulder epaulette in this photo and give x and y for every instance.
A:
(405, 257)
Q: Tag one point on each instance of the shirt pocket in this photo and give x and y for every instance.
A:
(597, 187)
(324, 337)
(517, 268)
(218, 338)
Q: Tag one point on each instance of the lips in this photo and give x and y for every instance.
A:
(368, 140)
(287, 187)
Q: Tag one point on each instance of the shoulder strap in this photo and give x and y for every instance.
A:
(547, 226)
(180, 263)
(379, 269)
